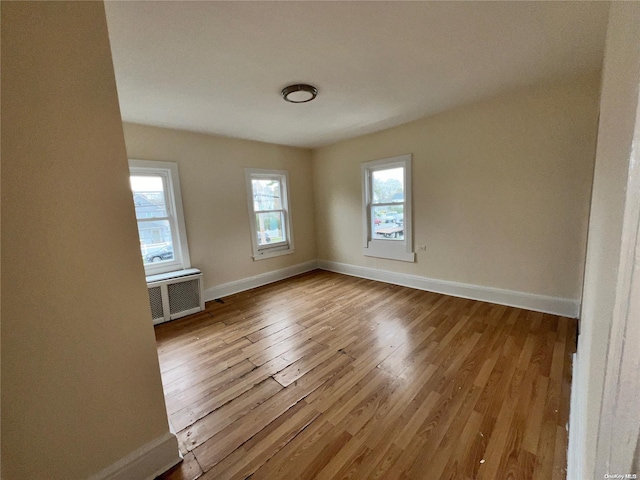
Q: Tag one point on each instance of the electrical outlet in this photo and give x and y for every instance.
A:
(422, 248)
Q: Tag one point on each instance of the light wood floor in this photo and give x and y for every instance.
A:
(327, 376)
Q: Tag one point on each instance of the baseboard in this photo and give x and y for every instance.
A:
(146, 463)
(230, 288)
(540, 303)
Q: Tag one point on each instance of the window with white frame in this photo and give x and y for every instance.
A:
(386, 208)
(158, 204)
(269, 218)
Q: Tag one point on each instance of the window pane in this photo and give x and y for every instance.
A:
(266, 194)
(388, 185)
(148, 196)
(155, 241)
(387, 222)
(269, 227)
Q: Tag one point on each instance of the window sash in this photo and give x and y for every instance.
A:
(170, 217)
(387, 204)
(395, 249)
(371, 204)
(285, 241)
(283, 210)
(261, 251)
(168, 173)
(154, 219)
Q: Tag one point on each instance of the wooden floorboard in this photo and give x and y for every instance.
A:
(326, 376)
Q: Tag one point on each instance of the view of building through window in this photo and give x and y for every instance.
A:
(387, 206)
(154, 229)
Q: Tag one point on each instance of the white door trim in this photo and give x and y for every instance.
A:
(619, 429)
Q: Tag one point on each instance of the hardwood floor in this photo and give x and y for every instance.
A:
(326, 376)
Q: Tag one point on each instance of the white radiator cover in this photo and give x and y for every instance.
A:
(175, 294)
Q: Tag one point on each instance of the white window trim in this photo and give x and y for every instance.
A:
(169, 171)
(260, 253)
(380, 248)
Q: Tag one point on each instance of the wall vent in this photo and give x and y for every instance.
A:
(175, 294)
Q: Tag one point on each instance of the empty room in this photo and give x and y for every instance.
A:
(320, 240)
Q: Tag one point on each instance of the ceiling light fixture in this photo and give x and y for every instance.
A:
(300, 93)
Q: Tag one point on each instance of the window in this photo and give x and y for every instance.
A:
(269, 218)
(158, 204)
(386, 208)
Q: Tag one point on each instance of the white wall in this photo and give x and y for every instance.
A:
(619, 99)
(500, 189)
(215, 200)
(80, 370)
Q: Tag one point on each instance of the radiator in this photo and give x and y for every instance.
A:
(175, 294)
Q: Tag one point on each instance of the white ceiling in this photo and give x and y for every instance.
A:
(219, 67)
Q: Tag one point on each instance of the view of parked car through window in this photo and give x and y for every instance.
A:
(164, 253)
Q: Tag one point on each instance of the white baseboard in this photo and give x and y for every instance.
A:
(540, 303)
(230, 288)
(146, 463)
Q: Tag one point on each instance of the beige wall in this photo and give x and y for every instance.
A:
(619, 99)
(215, 200)
(500, 189)
(81, 382)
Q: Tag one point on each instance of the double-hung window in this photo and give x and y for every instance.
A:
(386, 208)
(158, 204)
(269, 218)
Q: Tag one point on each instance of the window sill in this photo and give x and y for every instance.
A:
(171, 275)
(272, 253)
(388, 250)
(161, 267)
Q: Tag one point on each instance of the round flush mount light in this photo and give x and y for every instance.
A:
(300, 93)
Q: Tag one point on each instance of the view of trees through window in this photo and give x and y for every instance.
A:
(267, 205)
(387, 207)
